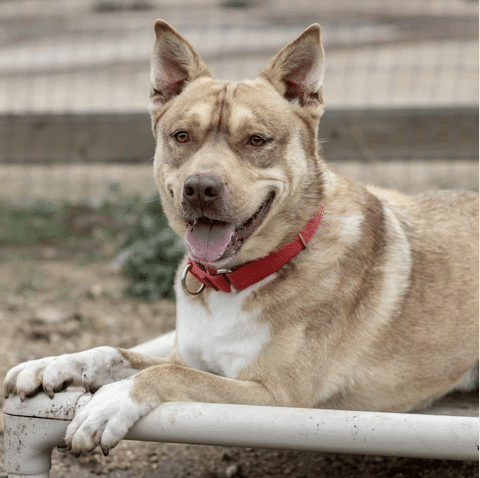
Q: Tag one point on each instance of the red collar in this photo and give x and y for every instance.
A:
(244, 276)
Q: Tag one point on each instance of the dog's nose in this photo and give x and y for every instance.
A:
(201, 190)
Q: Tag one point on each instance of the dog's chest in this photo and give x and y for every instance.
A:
(221, 340)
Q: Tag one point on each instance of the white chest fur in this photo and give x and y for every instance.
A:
(221, 340)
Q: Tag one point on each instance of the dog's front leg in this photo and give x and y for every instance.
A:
(90, 369)
(106, 418)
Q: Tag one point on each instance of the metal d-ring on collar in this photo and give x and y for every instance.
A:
(202, 287)
(184, 282)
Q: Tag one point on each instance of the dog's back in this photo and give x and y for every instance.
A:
(437, 329)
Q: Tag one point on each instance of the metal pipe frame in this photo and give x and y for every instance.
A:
(35, 427)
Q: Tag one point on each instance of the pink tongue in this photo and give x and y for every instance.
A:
(208, 242)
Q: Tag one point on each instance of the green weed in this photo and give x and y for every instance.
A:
(151, 254)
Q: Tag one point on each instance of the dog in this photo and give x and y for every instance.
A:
(300, 288)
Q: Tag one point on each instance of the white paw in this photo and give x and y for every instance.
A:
(105, 418)
(91, 369)
(26, 378)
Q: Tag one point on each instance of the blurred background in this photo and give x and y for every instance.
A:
(401, 87)
(401, 94)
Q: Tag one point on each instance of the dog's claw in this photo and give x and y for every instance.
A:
(49, 391)
(22, 396)
(105, 451)
(86, 384)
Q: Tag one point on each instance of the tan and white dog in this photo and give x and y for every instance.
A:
(302, 288)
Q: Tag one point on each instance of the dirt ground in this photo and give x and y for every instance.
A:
(51, 304)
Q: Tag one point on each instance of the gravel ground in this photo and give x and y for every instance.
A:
(51, 306)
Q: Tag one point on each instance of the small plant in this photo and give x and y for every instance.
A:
(151, 255)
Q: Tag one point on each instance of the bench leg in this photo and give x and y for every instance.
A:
(33, 429)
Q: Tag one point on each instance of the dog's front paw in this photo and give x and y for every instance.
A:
(27, 379)
(105, 418)
(90, 369)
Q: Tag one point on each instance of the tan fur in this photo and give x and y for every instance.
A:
(380, 312)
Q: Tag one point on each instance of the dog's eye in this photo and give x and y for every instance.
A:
(182, 136)
(257, 141)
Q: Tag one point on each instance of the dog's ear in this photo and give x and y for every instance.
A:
(174, 64)
(297, 70)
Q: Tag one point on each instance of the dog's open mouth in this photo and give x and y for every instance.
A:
(210, 240)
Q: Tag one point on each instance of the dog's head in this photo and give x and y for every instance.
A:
(236, 164)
